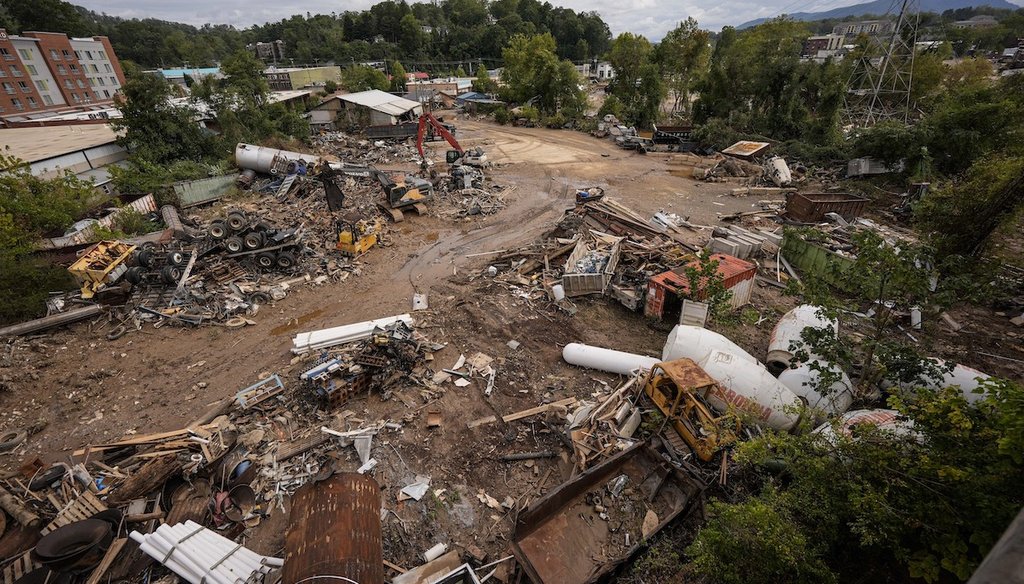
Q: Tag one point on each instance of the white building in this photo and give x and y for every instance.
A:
(605, 71)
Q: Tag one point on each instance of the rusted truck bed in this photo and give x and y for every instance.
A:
(561, 539)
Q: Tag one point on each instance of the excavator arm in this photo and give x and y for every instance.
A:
(421, 134)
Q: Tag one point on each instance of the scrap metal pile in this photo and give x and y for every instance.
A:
(598, 247)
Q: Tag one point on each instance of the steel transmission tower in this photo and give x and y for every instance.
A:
(880, 86)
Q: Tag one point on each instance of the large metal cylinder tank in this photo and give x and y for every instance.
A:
(883, 419)
(334, 531)
(803, 381)
(789, 329)
(261, 158)
(748, 386)
(696, 343)
(965, 377)
(606, 359)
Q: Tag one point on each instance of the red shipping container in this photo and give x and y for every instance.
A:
(664, 290)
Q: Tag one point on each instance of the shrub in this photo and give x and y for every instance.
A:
(501, 116)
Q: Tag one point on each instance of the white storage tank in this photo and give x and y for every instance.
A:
(803, 382)
(261, 158)
(606, 359)
(789, 329)
(965, 377)
(695, 343)
(748, 386)
(888, 420)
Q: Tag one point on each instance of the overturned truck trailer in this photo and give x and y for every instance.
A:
(565, 538)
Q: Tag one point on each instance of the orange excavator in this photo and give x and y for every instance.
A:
(456, 156)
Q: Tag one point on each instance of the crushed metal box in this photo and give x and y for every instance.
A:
(561, 538)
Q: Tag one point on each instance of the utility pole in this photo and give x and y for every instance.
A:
(880, 87)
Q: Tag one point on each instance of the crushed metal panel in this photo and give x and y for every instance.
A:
(556, 543)
(334, 528)
(205, 190)
(746, 149)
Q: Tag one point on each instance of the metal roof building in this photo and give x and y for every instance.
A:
(377, 108)
(85, 150)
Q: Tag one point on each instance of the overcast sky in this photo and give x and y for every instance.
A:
(649, 17)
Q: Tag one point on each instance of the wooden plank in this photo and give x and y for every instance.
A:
(296, 447)
(525, 413)
(108, 559)
(138, 440)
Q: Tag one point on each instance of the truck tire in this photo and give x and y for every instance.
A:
(218, 229)
(266, 260)
(285, 260)
(253, 240)
(176, 258)
(170, 274)
(145, 258)
(135, 275)
(234, 244)
(236, 220)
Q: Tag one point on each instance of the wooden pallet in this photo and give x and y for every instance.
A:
(81, 508)
(21, 566)
(295, 447)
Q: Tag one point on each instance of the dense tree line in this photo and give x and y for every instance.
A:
(431, 35)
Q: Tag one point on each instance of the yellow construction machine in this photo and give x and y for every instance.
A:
(679, 389)
(100, 265)
(356, 236)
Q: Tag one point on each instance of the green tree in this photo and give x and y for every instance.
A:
(154, 129)
(930, 502)
(362, 78)
(683, 57)
(30, 208)
(533, 73)
(398, 77)
(961, 216)
(637, 82)
(47, 15)
(755, 541)
(483, 82)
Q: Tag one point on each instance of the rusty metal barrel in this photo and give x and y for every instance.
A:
(334, 530)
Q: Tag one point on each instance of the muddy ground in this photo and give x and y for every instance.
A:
(90, 390)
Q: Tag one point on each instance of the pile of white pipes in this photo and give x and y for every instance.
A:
(339, 335)
(200, 556)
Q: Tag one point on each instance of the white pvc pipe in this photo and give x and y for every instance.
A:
(696, 343)
(606, 359)
(749, 387)
(165, 541)
(258, 558)
(211, 548)
(178, 563)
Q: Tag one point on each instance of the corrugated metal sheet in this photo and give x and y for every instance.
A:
(381, 101)
(205, 190)
(145, 204)
(334, 530)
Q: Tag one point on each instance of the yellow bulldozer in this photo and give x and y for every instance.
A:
(679, 389)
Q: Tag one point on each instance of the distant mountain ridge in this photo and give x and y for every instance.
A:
(881, 6)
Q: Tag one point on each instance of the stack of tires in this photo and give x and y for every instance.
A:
(239, 235)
